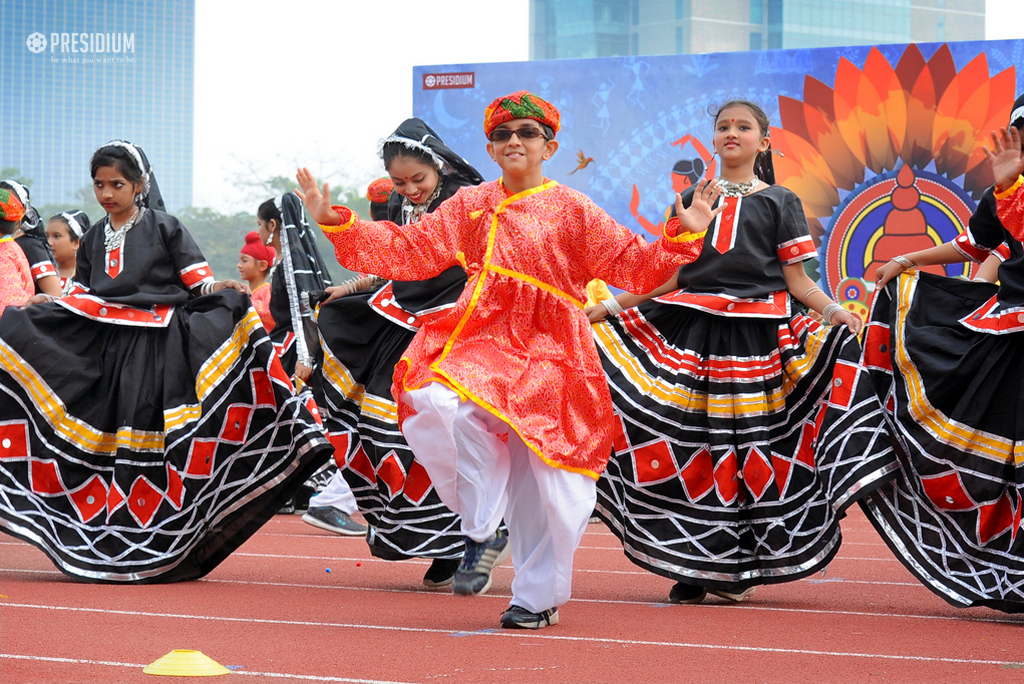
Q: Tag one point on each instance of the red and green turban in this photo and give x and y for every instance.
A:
(521, 104)
(11, 208)
(379, 190)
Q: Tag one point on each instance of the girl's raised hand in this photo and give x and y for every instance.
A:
(317, 202)
(1006, 156)
(699, 215)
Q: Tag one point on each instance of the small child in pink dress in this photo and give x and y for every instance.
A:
(254, 264)
(15, 277)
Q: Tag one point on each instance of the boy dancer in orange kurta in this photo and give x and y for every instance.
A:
(504, 400)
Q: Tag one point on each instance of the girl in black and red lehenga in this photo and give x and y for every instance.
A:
(947, 357)
(745, 427)
(365, 335)
(146, 426)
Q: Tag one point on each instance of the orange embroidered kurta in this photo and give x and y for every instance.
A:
(517, 342)
(1010, 207)
(16, 284)
(261, 302)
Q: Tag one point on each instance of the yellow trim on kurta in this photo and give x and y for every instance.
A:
(344, 226)
(687, 237)
(455, 386)
(921, 409)
(1003, 194)
(540, 284)
(475, 298)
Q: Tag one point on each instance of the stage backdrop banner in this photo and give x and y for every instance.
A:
(883, 144)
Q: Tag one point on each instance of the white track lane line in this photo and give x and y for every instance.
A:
(514, 634)
(811, 580)
(275, 675)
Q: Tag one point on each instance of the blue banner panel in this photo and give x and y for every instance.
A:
(881, 143)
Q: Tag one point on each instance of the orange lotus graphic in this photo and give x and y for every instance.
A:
(889, 159)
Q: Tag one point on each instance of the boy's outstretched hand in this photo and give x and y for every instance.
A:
(699, 215)
(1006, 156)
(318, 203)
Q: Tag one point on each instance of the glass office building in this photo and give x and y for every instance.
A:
(77, 73)
(561, 29)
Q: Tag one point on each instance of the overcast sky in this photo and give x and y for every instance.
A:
(321, 83)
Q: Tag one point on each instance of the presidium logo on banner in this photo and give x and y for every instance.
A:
(96, 43)
(465, 79)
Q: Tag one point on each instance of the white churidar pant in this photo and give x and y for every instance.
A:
(483, 471)
(336, 494)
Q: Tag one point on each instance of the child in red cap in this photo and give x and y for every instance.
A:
(503, 400)
(254, 264)
(15, 276)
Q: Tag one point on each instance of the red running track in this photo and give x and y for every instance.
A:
(272, 613)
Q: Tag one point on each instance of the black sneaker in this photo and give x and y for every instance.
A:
(474, 574)
(441, 572)
(686, 593)
(517, 617)
(288, 508)
(331, 519)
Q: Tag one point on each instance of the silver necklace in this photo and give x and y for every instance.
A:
(113, 239)
(414, 212)
(730, 189)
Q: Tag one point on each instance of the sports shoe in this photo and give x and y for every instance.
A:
(734, 596)
(331, 519)
(686, 593)
(441, 572)
(474, 574)
(517, 617)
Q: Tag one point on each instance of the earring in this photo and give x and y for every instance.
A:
(269, 240)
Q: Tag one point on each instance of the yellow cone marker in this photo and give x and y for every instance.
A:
(184, 663)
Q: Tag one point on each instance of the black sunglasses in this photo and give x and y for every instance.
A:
(524, 133)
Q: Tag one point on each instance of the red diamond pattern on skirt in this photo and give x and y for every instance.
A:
(200, 458)
(619, 440)
(726, 478)
(947, 492)
(995, 518)
(391, 473)
(175, 487)
(757, 473)
(262, 388)
(698, 475)
(115, 497)
(340, 441)
(417, 484)
(311, 405)
(236, 424)
(844, 381)
(877, 343)
(1016, 517)
(13, 440)
(90, 499)
(277, 373)
(143, 500)
(360, 463)
(45, 478)
(653, 463)
(808, 440)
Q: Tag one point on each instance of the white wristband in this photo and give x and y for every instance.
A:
(612, 306)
